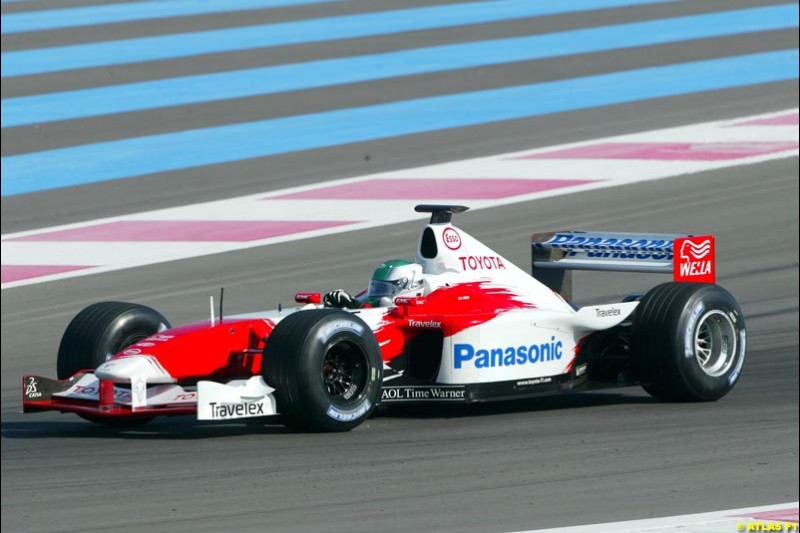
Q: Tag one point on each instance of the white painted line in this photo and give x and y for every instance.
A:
(763, 518)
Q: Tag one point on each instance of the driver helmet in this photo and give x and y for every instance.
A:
(397, 277)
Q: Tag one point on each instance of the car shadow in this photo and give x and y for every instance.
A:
(534, 404)
(171, 428)
(188, 428)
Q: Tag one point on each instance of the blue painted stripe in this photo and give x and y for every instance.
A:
(243, 83)
(188, 149)
(52, 19)
(306, 31)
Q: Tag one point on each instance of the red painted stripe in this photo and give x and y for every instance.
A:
(668, 151)
(9, 273)
(790, 119)
(429, 189)
(183, 230)
(791, 514)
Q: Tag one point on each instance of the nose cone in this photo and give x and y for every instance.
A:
(124, 369)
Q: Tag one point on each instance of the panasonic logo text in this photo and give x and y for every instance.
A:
(611, 247)
(568, 242)
(466, 354)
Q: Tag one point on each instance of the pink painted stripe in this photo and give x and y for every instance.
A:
(9, 273)
(791, 119)
(668, 151)
(183, 230)
(791, 514)
(430, 189)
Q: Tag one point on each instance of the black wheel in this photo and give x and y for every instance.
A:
(99, 332)
(688, 342)
(326, 368)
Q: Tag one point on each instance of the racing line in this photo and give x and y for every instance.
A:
(243, 83)
(387, 198)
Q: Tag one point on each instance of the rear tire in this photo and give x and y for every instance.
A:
(326, 368)
(688, 342)
(100, 331)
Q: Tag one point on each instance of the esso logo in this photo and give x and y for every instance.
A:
(451, 238)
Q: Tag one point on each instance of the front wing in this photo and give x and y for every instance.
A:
(85, 394)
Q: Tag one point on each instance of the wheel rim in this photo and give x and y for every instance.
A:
(715, 343)
(344, 373)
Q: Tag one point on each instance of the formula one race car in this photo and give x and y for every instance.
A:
(474, 328)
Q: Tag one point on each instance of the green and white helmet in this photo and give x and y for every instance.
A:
(394, 278)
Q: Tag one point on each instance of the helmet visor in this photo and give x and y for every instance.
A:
(386, 288)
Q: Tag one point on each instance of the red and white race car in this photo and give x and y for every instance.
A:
(478, 329)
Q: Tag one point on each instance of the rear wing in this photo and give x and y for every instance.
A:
(687, 257)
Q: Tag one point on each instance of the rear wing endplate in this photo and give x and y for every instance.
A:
(554, 254)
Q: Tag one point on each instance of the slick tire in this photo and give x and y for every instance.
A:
(688, 342)
(326, 368)
(100, 331)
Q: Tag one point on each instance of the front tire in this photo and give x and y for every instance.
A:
(326, 368)
(100, 331)
(688, 342)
